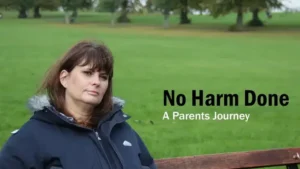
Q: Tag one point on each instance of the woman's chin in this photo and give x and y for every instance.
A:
(92, 100)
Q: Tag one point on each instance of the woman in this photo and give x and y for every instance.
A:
(77, 124)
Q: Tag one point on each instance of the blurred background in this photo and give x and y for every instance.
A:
(219, 46)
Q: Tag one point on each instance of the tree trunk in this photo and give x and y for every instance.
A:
(255, 14)
(166, 18)
(74, 15)
(123, 17)
(239, 19)
(113, 19)
(149, 6)
(37, 12)
(238, 26)
(255, 18)
(22, 12)
(184, 12)
(269, 14)
(67, 17)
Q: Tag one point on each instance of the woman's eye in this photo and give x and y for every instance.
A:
(88, 73)
(104, 77)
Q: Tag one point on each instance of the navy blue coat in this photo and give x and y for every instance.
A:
(51, 139)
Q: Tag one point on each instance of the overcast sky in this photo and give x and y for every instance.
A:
(288, 3)
(292, 3)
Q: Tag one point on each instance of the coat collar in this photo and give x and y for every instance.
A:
(42, 110)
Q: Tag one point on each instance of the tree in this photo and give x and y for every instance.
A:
(184, 12)
(136, 6)
(24, 5)
(200, 5)
(73, 6)
(109, 6)
(166, 6)
(149, 6)
(113, 5)
(124, 11)
(224, 7)
(262, 5)
(21, 5)
(44, 4)
(5, 3)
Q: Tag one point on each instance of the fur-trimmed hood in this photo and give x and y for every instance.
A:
(38, 102)
(42, 103)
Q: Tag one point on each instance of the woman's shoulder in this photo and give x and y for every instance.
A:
(27, 132)
(22, 141)
(24, 145)
(32, 129)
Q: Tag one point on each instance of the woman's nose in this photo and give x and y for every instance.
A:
(96, 80)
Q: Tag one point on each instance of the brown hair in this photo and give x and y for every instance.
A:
(85, 52)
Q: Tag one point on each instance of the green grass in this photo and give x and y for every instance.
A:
(150, 59)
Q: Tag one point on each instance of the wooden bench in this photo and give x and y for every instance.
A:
(289, 157)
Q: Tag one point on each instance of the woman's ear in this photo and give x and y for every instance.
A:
(63, 77)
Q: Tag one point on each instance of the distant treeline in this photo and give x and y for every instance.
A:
(121, 9)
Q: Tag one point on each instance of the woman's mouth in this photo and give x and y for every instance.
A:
(94, 93)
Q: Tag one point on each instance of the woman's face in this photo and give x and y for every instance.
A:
(84, 85)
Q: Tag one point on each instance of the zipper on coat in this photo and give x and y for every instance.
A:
(119, 161)
(97, 135)
(102, 149)
(117, 153)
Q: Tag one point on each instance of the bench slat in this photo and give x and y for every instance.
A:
(234, 160)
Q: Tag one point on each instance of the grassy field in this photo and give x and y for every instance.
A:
(150, 59)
